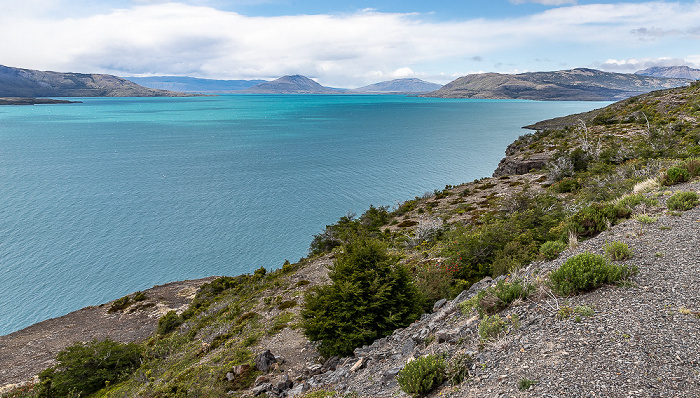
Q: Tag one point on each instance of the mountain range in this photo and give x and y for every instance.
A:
(579, 84)
(16, 82)
(194, 85)
(568, 85)
(680, 72)
(399, 86)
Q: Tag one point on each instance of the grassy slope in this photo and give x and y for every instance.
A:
(632, 141)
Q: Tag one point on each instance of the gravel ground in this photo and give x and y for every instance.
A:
(642, 341)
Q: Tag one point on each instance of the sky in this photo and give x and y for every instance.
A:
(347, 43)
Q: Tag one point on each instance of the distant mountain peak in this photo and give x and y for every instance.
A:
(292, 84)
(405, 85)
(677, 72)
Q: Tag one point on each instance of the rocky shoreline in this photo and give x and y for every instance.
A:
(34, 101)
(24, 353)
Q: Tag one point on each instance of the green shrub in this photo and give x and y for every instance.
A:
(584, 272)
(83, 369)
(682, 201)
(526, 383)
(645, 219)
(168, 322)
(491, 327)
(566, 311)
(287, 304)
(693, 166)
(675, 175)
(370, 296)
(617, 251)
(458, 368)
(434, 280)
(551, 249)
(497, 298)
(139, 296)
(566, 185)
(422, 375)
(120, 304)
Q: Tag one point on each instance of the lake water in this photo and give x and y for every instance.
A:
(115, 195)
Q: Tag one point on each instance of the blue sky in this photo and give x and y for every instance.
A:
(346, 43)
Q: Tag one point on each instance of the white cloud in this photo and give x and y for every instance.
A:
(633, 64)
(346, 50)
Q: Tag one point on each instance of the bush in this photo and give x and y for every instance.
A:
(83, 369)
(584, 272)
(566, 185)
(422, 375)
(370, 296)
(120, 304)
(551, 249)
(168, 322)
(491, 327)
(617, 251)
(525, 383)
(682, 201)
(497, 298)
(675, 175)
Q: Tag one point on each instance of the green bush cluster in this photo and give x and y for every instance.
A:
(503, 241)
(497, 298)
(422, 375)
(675, 175)
(584, 272)
(86, 368)
(349, 228)
(617, 251)
(370, 296)
(682, 201)
(681, 172)
(551, 249)
(168, 322)
(491, 327)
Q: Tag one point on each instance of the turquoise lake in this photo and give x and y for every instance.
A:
(114, 195)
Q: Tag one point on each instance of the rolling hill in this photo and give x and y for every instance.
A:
(567, 85)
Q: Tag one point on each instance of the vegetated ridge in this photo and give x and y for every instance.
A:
(677, 72)
(568, 85)
(193, 84)
(575, 277)
(16, 82)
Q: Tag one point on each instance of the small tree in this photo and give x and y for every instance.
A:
(370, 297)
(85, 368)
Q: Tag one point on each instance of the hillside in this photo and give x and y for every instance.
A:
(194, 85)
(676, 72)
(567, 85)
(295, 84)
(618, 186)
(16, 82)
(410, 85)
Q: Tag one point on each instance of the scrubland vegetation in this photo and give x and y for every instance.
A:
(393, 264)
